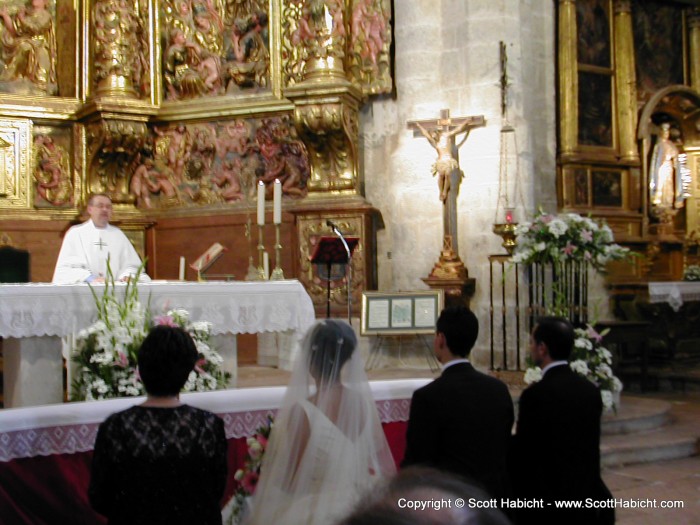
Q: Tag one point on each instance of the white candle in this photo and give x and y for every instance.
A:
(181, 274)
(261, 203)
(277, 208)
(266, 265)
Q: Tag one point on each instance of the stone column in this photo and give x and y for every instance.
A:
(694, 41)
(625, 81)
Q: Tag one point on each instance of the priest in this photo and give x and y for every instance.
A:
(87, 246)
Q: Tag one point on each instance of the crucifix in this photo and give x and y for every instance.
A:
(441, 135)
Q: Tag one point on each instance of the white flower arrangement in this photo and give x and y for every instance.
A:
(566, 237)
(590, 359)
(692, 273)
(106, 352)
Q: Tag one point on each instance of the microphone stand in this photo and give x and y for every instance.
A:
(348, 270)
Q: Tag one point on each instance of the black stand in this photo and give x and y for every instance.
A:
(330, 252)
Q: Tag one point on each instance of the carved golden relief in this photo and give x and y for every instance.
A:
(222, 162)
(311, 229)
(15, 160)
(330, 132)
(212, 48)
(121, 48)
(369, 58)
(52, 173)
(28, 48)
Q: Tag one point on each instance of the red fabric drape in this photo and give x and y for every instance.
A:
(52, 490)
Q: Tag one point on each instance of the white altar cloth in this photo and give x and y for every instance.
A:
(675, 293)
(36, 309)
(34, 316)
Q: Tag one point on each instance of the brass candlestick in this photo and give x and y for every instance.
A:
(277, 273)
(261, 256)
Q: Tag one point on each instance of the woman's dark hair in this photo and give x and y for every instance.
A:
(332, 343)
(166, 358)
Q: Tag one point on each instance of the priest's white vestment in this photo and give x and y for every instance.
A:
(85, 251)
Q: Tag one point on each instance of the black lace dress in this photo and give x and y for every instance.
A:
(159, 465)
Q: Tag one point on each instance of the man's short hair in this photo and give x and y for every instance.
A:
(460, 327)
(558, 334)
(93, 196)
(166, 358)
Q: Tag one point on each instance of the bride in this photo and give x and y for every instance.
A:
(327, 447)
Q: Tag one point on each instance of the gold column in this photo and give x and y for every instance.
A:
(625, 81)
(568, 78)
(694, 41)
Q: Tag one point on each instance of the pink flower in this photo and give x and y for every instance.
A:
(587, 235)
(198, 365)
(593, 335)
(569, 248)
(262, 440)
(122, 360)
(249, 482)
(166, 320)
(547, 218)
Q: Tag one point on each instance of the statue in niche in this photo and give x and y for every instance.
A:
(669, 177)
(29, 49)
(52, 172)
(247, 55)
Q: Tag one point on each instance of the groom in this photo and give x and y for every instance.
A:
(462, 421)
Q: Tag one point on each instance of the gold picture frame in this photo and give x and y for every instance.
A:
(400, 313)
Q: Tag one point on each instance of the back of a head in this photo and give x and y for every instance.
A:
(557, 333)
(166, 358)
(460, 328)
(331, 343)
(440, 490)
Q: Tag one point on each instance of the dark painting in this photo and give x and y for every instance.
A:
(607, 188)
(658, 46)
(593, 29)
(580, 187)
(595, 109)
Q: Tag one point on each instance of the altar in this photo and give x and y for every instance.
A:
(36, 319)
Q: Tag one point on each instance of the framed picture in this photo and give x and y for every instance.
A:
(386, 313)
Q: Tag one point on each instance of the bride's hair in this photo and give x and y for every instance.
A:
(331, 344)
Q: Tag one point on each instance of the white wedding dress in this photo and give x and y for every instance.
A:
(327, 446)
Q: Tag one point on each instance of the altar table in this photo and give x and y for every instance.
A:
(45, 452)
(675, 293)
(35, 316)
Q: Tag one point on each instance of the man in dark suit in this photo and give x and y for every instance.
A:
(556, 448)
(462, 421)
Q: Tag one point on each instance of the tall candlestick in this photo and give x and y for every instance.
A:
(261, 203)
(277, 203)
(181, 274)
(266, 265)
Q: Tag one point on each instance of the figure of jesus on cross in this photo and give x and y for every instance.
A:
(441, 135)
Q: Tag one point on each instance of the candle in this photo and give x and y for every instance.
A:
(509, 216)
(261, 203)
(181, 274)
(277, 202)
(266, 265)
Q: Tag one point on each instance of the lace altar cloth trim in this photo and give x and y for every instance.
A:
(69, 438)
(674, 293)
(38, 309)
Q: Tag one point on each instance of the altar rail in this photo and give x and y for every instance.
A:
(46, 452)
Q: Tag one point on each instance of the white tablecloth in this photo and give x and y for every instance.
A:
(232, 307)
(675, 293)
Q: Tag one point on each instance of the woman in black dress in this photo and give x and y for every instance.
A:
(161, 461)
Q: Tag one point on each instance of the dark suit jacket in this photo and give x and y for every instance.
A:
(556, 448)
(461, 422)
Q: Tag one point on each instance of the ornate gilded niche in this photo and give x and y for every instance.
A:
(627, 68)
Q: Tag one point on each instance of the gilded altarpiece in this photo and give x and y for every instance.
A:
(179, 109)
(627, 72)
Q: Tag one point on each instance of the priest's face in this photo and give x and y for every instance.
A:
(100, 211)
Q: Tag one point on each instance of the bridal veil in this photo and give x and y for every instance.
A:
(327, 446)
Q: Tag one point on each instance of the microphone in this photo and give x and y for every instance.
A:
(333, 227)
